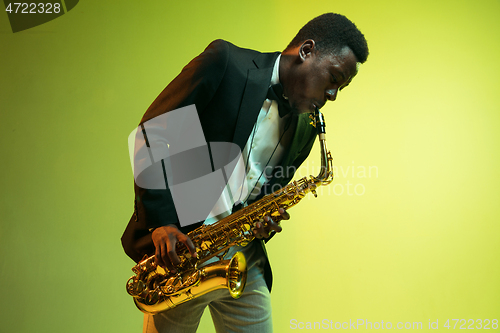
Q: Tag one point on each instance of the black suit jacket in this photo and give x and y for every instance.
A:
(228, 85)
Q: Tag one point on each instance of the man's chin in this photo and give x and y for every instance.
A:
(304, 109)
(299, 108)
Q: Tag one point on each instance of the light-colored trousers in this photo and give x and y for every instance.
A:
(251, 313)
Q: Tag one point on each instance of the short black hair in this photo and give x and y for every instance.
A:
(333, 32)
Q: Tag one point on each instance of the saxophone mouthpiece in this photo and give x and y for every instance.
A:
(320, 121)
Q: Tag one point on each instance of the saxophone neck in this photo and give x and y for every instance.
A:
(325, 175)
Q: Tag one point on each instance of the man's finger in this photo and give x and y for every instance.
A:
(284, 214)
(164, 257)
(158, 258)
(257, 233)
(272, 226)
(161, 257)
(172, 255)
(189, 244)
(257, 229)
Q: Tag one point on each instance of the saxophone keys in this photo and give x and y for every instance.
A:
(135, 286)
(313, 120)
(153, 298)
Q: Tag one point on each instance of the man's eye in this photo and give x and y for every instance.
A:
(334, 80)
(345, 85)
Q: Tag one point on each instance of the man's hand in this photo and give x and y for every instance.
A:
(263, 230)
(165, 240)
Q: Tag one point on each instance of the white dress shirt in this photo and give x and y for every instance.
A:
(263, 151)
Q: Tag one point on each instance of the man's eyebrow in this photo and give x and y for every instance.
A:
(345, 84)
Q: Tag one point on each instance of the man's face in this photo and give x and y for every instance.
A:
(318, 77)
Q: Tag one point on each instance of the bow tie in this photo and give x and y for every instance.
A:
(275, 93)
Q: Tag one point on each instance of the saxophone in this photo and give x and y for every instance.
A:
(156, 290)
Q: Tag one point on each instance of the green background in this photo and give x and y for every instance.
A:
(419, 239)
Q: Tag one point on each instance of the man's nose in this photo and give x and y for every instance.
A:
(331, 94)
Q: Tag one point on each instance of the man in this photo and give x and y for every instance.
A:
(230, 88)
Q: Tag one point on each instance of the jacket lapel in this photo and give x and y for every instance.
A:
(257, 84)
(304, 134)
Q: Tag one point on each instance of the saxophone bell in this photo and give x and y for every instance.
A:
(154, 290)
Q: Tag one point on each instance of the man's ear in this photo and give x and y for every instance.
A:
(306, 49)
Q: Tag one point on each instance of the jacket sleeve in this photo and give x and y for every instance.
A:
(196, 84)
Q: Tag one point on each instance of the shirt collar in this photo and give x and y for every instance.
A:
(275, 77)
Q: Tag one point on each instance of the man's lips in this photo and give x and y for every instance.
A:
(318, 105)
